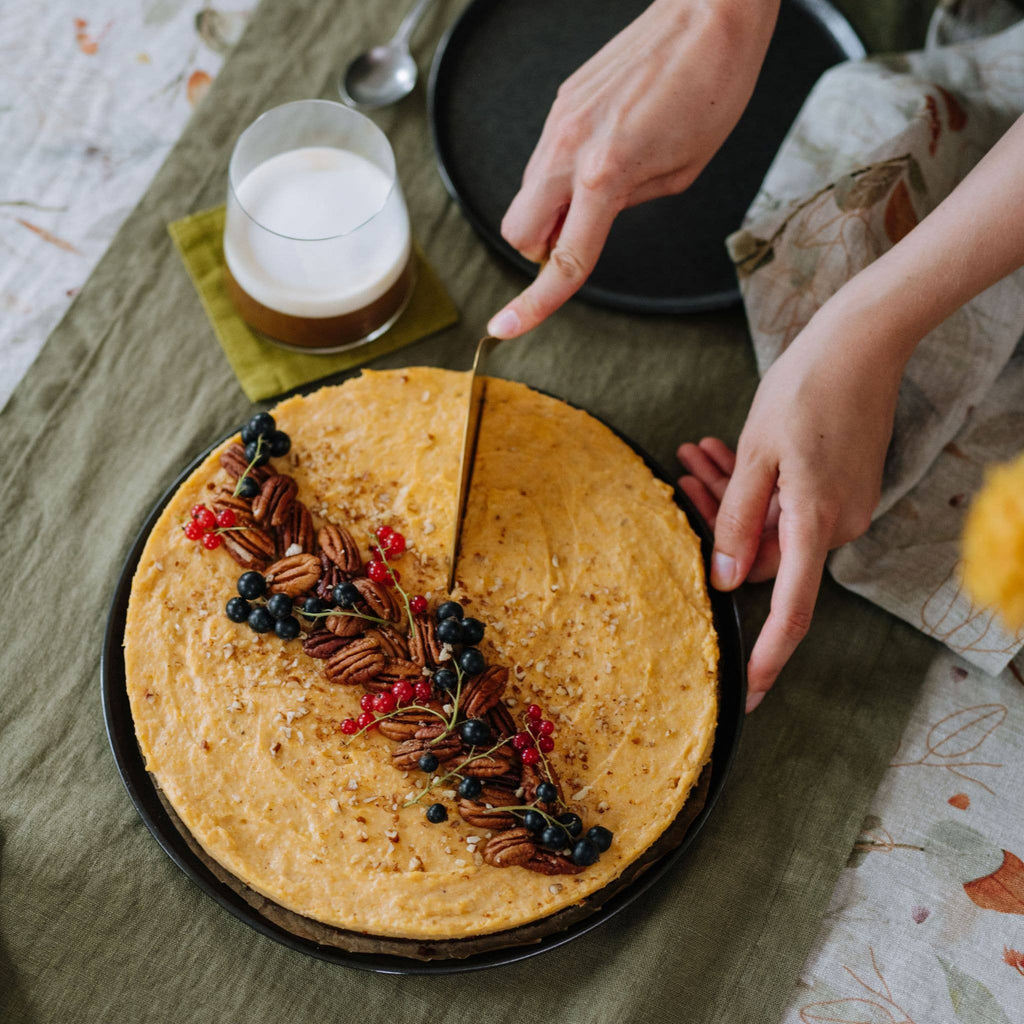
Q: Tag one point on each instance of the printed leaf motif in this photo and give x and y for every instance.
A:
(1003, 890)
(219, 30)
(956, 116)
(48, 236)
(965, 730)
(957, 853)
(972, 1002)
(160, 11)
(748, 252)
(195, 89)
(867, 189)
(900, 218)
(848, 1011)
(915, 177)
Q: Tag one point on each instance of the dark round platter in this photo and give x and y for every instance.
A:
(494, 77)
(146, 797)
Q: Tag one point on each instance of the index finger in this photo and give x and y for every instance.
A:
(579, 244)
(803, 542)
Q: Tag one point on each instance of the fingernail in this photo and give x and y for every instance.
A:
(753, 699)
(503, 324)
(723, 571)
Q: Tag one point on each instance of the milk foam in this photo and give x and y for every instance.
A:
(316, 232)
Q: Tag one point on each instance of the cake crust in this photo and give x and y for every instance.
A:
(591, 584)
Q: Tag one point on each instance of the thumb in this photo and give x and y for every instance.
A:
(740, 521)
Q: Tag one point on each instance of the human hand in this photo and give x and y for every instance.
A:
(639, 120)
(805, 478)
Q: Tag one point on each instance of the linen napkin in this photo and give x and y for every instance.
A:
(878, 144)
(264, 369)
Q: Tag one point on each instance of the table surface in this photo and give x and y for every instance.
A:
(908, 936)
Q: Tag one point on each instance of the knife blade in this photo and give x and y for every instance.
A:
(470, 433)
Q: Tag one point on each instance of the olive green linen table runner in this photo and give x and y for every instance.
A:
(96, 924)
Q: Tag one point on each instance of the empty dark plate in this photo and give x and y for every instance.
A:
(494, 78)
(144, 794)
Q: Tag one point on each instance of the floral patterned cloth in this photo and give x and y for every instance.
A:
(94, 96)
(877, 146)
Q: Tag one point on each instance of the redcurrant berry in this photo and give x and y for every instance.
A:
(417, 604)
(533, 726)
(193, 530)
(366, 701)
(546, 744)
(522, 741)
(385, 703)
(367, 720)
(395, 544)
(546, 728)
(377, 571)
(350, 726)
(383, 534)
(423, 690)
(204, 517)
(403, 691)
(211, 541)
(226, 518)
(530, 756)
(534, 711)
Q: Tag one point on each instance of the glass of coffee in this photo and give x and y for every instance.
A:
(317, 249)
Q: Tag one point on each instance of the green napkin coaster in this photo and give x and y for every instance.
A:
(262, 368)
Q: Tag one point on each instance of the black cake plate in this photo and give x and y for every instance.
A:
(494, 77)
(408, 956)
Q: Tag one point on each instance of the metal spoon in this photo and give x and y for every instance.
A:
(387, 73)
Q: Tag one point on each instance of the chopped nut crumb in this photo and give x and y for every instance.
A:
(555, 888)
(293, 549)
(334, 805)
(478, 859)
(459, 862)
(275, 747)
(415, 864)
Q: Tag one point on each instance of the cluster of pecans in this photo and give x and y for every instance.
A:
(435, 699)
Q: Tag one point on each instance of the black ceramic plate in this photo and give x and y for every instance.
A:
(494, 77)
(144, 794)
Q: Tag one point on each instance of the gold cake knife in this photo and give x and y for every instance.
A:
(471, 431)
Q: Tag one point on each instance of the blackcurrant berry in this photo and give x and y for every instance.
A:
(287, 628)
(475, 732)
(238, 609)
(248, 488)
(251, 585)
(470, 788)
(472, 631)
(449, 610)
(571, 823)
(311, 608)
(600, 837)
(279, 443)
(436, 813)
(445, 679)
(472, 662)
(534, 821)
(345, 595)
(584, 852)
(428, 763)
(553, 837)
(449, 631)
(279, 605)
(261, 424)
(257, 460)
(547, 793)
(260, 620)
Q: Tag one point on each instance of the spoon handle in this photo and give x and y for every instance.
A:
(409, 23)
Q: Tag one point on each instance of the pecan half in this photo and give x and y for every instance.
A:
(323, 644)
(481, 693)
(234, 462)
(294, 575)
(338, 545)
(391, 642)
(358, 661)
(424, 647)
(330, 577)
(477, 814)
(251, 547)
(547, 862)
(345, 625)
(500, 719)
(405, 724)
(276, 495)
(505, 850)
(408, 752)
(380, 600)
(297, 529)
(497, 763)
(399, 668)
(242, 507)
